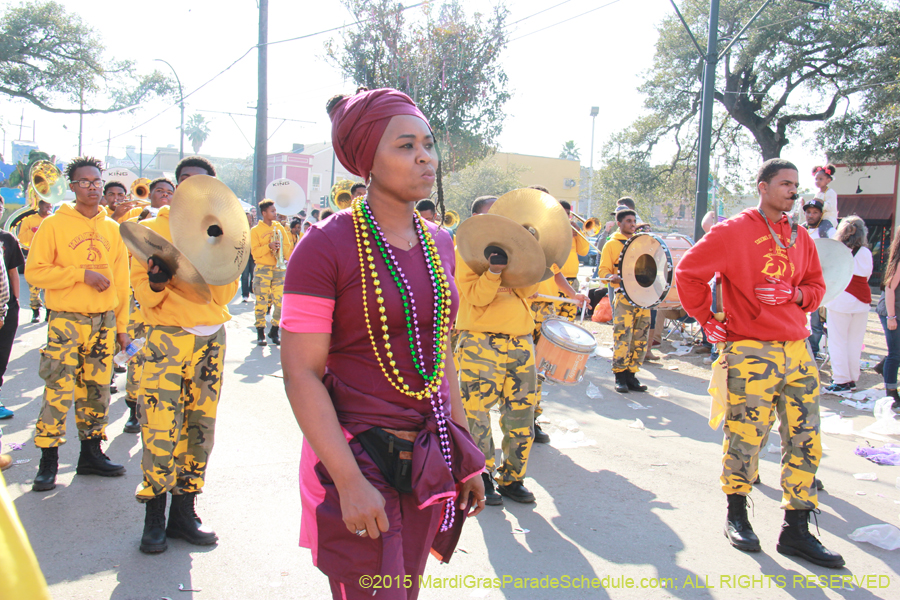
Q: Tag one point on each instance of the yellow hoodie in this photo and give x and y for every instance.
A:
(609, 256)
(485, 307)
(260, 236)
(28, 227)
(167, 307)
(69, 245)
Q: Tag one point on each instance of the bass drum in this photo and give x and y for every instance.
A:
(646, 268)
(677, 244)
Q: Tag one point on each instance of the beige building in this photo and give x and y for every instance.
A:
(558, 175)
(871, 192)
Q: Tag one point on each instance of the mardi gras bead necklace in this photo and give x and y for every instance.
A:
(366, 229)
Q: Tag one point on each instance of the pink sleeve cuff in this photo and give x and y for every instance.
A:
(306, 314)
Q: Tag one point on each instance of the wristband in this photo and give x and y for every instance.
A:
(892, 318)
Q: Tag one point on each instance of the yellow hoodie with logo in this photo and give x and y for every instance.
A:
(167, 307)
(486, 307)
(70, 244)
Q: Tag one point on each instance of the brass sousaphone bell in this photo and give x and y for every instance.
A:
(47, 181)
(288, 196)
(340, 196)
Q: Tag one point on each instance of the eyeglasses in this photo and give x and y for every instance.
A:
(84, 183)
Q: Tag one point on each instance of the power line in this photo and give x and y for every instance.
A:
(226, 69)
(537, 13)
(565, 20)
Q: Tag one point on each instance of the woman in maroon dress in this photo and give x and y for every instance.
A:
(388, 471)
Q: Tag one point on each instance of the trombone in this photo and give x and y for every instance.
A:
(591, 226)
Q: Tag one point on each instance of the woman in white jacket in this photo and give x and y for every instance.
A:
(849, 312)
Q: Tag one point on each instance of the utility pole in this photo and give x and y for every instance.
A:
(595, 110)
(141, 158)
(262, 101)
(108, 140)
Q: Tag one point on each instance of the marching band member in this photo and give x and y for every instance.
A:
(631, 323)
(268, 239)
(770, 277)
(27, 229)
(495, 352)
(79, 258)
(180, 386)
(161, 191)
(569, 271)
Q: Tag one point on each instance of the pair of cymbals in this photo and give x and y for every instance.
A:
(534, 256)
(210, 238)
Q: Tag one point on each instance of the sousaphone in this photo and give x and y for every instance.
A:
(144, 243)
(482, 235)
(646, 268)
(837, 267)
(544, 218)
(209, 226)
(288, 196)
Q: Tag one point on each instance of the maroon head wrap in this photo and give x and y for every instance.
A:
(359, 121)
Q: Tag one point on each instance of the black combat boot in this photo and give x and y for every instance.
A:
(737, 525)
(632, 382)
(93, 461)
(35, 315)
(132, 425)
(46, 477)
(893, 394)
(261, 336)
(185, 524)
(516, 491)
(273, 335)
(154, 538)
(491, 497)
(539, 436)
(796, 540)
(621, 383)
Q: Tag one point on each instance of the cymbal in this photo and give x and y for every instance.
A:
(837, 267)
(541, 214)
(210, 227)
(143, 243)
(478, 236)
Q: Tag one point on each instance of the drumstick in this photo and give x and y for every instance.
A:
(554, 299)
(583, 310)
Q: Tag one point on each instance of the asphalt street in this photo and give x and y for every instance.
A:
(634, 506)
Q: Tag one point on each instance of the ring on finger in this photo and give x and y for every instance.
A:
(360, 532)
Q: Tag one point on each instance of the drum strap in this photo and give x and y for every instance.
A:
(777, 238)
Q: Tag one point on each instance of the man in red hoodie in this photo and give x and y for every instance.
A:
(770, 278)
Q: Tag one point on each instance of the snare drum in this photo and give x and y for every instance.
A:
(561, 354)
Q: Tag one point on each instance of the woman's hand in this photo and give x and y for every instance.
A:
(362, 508)
(471, 495)
(892, 324)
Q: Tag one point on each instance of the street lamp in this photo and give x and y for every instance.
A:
(859, 181)
(181, 102)
(595, 110)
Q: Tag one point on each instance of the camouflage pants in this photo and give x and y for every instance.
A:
(764, 379)
(35, 297)
(497, 368)
(76, 364)
(268, 287)
(137, 328)
(567, 310)
(540, 312)
(631, 329)
(177, 405)
(454, 340)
